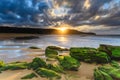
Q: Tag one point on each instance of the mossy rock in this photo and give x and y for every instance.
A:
(36, 63)
(112, 70)
(34, 47)
(100, 75)
(2, 64)
(112, 51)
(29, 76)
(43, 72)
(57, 48)
(51, 53)
(14, 66)
(101, 57)
(55, 67)
(69, 63)
(82, 53)
(89, 55)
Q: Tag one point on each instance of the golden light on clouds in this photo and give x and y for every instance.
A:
(87, 4)
(63, 29)
(96, 17)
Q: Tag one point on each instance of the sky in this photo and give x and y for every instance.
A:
(99, 16)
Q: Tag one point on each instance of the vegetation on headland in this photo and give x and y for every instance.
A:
(102, 55)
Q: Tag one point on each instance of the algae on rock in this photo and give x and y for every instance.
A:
(36, 63)
(69, 63)
(51, 53)
(112, 51)
(44, 72)
(89, 55)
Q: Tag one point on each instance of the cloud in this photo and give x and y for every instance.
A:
(90, 14)
(15, 11)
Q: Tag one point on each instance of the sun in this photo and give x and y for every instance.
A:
(63, 29)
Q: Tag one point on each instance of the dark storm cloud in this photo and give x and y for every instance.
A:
(12, 11)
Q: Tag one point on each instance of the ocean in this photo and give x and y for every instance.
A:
(13, 49)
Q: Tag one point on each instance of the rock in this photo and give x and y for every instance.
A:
(115, 64)
(14, 66)
(29, 76)
(57, 48)
(36, 63)
(89, 55)
(112, 51)
(101, 57)
(55, 67)
(69, 63)
(43, 72)
(34, 47)
(51, 53)
(2, 64)
(112, 70)
(100, 75)
(115, 74)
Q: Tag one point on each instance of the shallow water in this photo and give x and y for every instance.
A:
(11, 48)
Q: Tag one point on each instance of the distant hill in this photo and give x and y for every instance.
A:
(6, 29)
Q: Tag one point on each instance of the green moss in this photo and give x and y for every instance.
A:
(112, 70)
(36, 63)
(112, 51)
(100, 75)
(14, 66)
(115, 64)
(55, 67)
(57, 48)
(89, 55)
(43, 72)
(101, 57)
(29, 76)
(69, 63)
(2, 64)
(51, 53)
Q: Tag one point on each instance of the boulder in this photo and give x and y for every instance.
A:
(14, 66)
(2, 64)
(36, 63)
(100, 75)
(57, 48)
(89, 55)
(55, 67)
(112, 51)
(69, 63)
(51, 53)
(29, 76)
(43, 72)
(34, 47)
